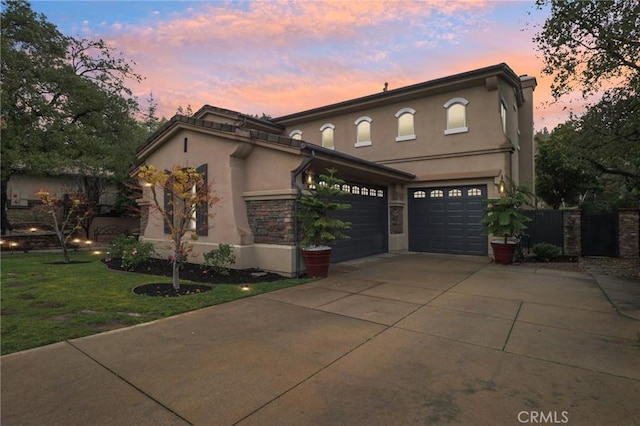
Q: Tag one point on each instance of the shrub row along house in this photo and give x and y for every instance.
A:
(417, 162)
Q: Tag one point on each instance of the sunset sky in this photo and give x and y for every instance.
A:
(280, 57)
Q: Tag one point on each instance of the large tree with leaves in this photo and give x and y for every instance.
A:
(594, 47)
(563, 179)
(588, 44)
(64, 102)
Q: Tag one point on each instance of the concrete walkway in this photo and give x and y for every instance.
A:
(410, 339)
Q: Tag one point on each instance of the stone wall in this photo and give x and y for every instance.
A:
(271, 221)
(628, 233)
(395, 218)
(572, 233)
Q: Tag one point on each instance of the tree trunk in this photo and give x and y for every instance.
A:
(4, 204)
(176, 273)
(63, 244)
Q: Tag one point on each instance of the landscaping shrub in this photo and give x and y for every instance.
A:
(130, 251)
(219, 260)
(546, 252)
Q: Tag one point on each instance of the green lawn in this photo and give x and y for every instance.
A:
(43, 303)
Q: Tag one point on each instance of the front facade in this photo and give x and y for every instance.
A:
(418, 161)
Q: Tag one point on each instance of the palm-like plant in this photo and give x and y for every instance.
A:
(503, 216)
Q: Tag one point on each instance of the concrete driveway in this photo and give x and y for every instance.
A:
(408, 339)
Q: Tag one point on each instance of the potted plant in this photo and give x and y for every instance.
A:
(503, 217)
(318, 229)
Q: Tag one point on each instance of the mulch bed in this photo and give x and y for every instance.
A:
(190, 272)
(167, 290)
(620, 267)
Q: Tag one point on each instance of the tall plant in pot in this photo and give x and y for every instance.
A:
(318, 228)
(504, 218)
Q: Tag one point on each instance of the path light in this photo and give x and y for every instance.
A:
(98, 252)
(76, 241)
(33, 229)
(245, 287)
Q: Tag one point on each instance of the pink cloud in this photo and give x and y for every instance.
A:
(282, 57)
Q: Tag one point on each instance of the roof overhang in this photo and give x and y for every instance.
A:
(353, 168)
(429, 88)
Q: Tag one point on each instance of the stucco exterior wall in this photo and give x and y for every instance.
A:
(236, 167)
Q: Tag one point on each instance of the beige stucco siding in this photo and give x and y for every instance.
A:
(236, 166)
(269, 169)
(483, 122)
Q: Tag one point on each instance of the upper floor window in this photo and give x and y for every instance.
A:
(503, 116)
(406, 129)
(363, 131)
(327, 135)
(296, 134)
(456, 116)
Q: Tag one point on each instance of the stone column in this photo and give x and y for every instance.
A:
(396, 212)
(572, 233)
(628, 233)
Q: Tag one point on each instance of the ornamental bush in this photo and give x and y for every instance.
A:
(130, 251)
(546, 252)
(219, 260)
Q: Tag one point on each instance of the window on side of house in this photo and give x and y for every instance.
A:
(363, 131)
(327, 135)
(456, 116)
(406, 128)
(503, 116)
(296, 134)
(199, 220)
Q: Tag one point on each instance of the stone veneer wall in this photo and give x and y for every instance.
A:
(572, 230)
(271, 221)
(629, 233)
(396, 222)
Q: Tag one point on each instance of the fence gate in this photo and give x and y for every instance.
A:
(599, 234)
(545, 227)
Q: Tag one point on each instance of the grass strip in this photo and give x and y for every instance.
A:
(43, 303)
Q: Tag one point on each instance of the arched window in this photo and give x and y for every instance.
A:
(406, 128)
(456, 116)
(363, 131)
(327, 135)
(296, 134)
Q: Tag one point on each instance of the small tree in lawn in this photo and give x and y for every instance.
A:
(186, 194)
(68, 215)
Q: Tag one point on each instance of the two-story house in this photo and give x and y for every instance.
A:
(417, 162)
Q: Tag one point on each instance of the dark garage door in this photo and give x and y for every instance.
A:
(368, 217)
(447, 220)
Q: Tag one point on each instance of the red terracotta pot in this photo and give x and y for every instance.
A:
(503, 253)
(317, 262)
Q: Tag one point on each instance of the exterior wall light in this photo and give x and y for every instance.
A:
(501, 186)
(310, 178)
